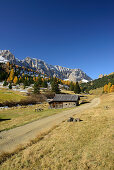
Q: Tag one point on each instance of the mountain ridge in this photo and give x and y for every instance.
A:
(48, 69)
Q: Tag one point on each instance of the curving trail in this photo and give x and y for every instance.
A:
(9, 140)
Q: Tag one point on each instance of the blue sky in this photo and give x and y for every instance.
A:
(70, 33)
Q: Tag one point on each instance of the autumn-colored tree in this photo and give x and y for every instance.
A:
(8, 80)
(20, 78)
(109, 86)
(34, 78)
(11, 75)
(16, 66)
(15, 80)
(23, 75)
(105, 89)
(112, 89)
(8, 64)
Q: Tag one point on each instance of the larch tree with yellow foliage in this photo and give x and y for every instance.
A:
(15, 80)
(112, 89)
(105, 89)
(10, 78)
(109, 86)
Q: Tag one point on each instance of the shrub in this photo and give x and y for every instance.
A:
(34, 99)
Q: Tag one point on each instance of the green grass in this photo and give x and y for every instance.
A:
(23, 115)
(10, 95)
(72, 145)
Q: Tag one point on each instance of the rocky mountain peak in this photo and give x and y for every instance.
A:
(50, 70)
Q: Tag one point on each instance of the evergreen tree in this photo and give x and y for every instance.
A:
(72, 86)
(55, 86)
(44, 84)
(25, 83)
(36, 88)
(77, 88)
(39, 81)
(5, 83)
(10, 86)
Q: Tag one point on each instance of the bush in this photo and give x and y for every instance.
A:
(34, 99)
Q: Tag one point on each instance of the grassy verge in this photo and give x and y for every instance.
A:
(15, 117)
(72, 145)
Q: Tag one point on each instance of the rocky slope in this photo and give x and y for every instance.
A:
(42, 67)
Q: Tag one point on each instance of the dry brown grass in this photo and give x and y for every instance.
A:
(5, 155)
(97, 91)
(73, 145)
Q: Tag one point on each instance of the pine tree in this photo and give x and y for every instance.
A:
(44, 84)
(36, 88)
(72, 86)
(77, 88)
(10, 86)
(5, 83)
(55, 86)
(40, 80)
(25, 83)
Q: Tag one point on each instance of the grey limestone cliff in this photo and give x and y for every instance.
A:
(50, 70)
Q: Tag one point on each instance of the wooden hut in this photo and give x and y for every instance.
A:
(64, 101)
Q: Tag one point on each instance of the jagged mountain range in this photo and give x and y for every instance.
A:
(43, 67)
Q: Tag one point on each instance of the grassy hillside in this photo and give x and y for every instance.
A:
(97, 91)
(97, 83)
(78, 145)
(10, 95)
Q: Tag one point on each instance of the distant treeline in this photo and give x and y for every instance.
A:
(97, 83)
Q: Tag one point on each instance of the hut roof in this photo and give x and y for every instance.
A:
(65, 97)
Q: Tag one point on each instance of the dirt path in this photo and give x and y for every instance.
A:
(9, 140)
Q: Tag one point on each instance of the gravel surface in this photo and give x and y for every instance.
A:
(9, 140)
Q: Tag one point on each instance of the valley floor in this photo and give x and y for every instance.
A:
(72, 145)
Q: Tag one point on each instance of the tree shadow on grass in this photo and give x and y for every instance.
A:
(1, 120)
